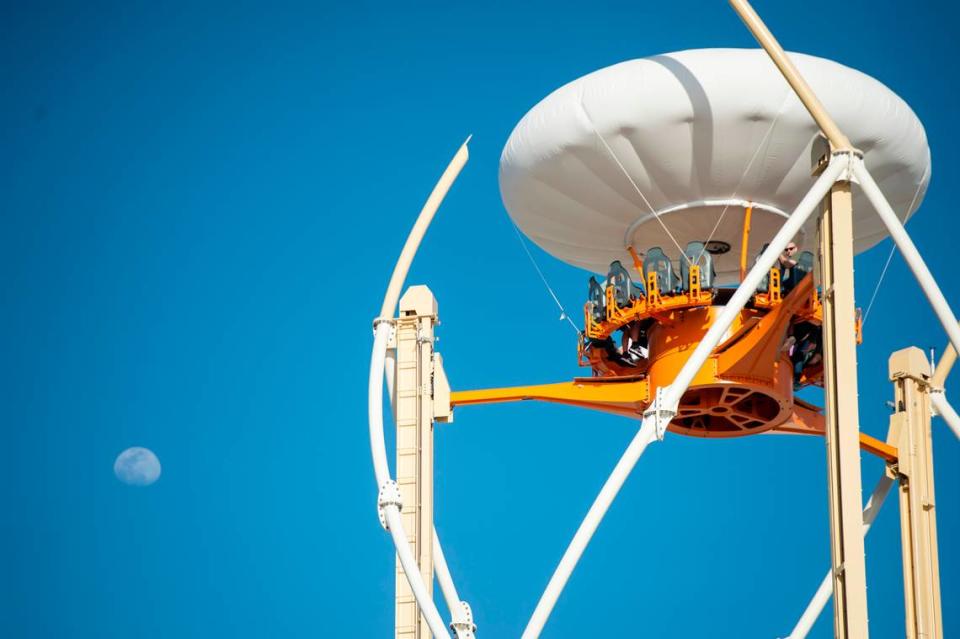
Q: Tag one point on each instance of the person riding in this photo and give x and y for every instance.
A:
(632, 346)
(787, 264)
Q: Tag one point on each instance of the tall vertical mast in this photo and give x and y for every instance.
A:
(910, 432)
(842, 418)
(840, 358)
(413, 410)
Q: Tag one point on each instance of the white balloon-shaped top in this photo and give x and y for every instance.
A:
(679, 144)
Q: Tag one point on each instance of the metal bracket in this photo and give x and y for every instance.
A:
(462, 624)
(388, 320)
(849, 157)
(931, 389)
(389, 495)
(660, 412)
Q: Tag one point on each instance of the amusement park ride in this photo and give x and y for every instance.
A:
(716, 343)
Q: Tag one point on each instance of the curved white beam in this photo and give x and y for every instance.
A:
(378, 450)
(420, 229)
(444, 577)
(672, 394)
(825, 591)
(461, 617)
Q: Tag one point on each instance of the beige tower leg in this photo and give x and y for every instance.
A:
(910, 433)
(413, 412)
(842, 419)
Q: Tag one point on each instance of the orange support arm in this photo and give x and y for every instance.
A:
(621, 395)
(754, 352)
(629, 396)
(745, 242)
(637, 262)
(808, 420)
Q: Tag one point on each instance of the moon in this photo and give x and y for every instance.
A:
(137, 466)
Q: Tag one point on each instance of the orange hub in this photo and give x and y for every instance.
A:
(728, 397)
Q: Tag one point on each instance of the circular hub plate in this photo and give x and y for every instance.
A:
(728, 410)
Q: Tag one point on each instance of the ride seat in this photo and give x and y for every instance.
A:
(625, 290)
(657, 262)
(597, 297)
(696, 254)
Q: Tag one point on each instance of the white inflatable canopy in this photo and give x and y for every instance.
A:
(685, 141)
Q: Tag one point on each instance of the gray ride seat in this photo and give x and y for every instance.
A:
(657, 262)
(598, 298)
(625, 290)
(696, 254)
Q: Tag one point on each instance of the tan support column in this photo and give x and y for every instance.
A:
(413, 413)
(910, 433)
(842, 419)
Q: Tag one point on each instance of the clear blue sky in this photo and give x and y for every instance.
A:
(199, 208)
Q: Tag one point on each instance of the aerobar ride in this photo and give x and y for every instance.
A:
(680, 179)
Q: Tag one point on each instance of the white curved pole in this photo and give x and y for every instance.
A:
(825, 591)
(673, 393)
(461, 616)
(420, 228)
(939, 401)
(443, 575)
(378, 448)
(909, 252)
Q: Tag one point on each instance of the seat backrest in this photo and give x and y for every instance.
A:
(696, 253)
(597, 296)
(657, 262)
(765, 282)
(624, 292)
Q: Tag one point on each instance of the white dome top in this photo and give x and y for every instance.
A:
(696, 134)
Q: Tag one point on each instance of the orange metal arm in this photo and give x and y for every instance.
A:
(745, 242)
(623, 396)
(876, 447)
(630, 396)
(637, 262)
(808, 420)
(757, 350)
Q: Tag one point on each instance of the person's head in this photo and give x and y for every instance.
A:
(791, 249)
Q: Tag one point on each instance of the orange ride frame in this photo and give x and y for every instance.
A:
(751, 355)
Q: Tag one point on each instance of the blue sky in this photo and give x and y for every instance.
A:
(199, 209)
